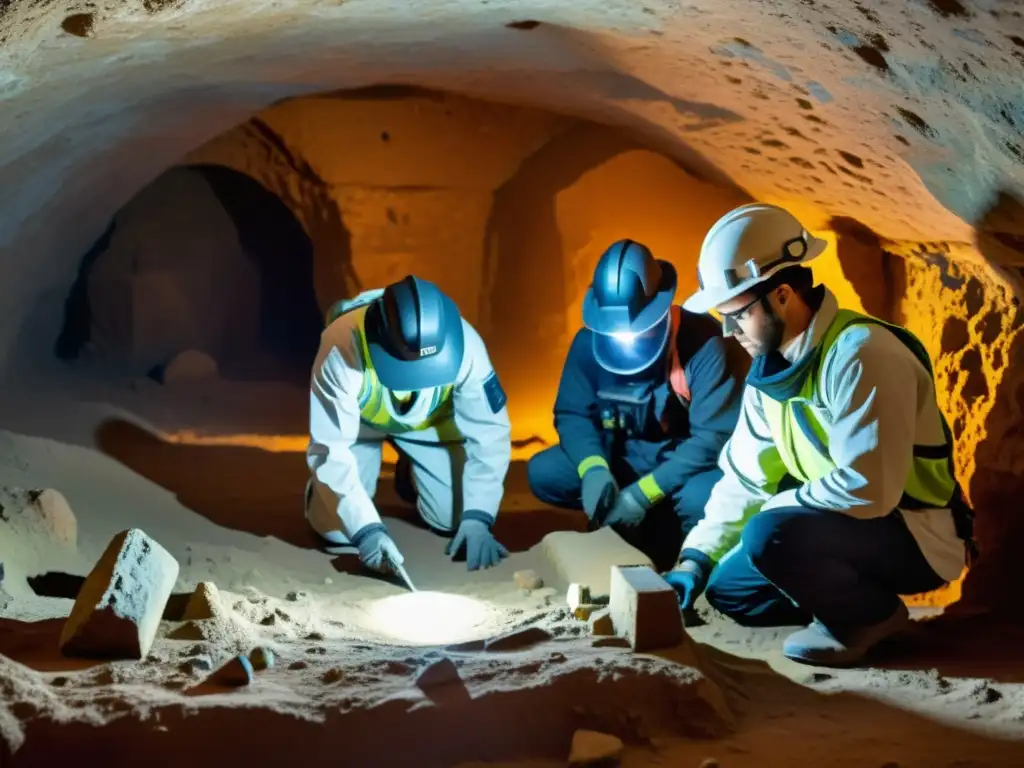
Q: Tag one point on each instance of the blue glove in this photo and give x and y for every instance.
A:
(598, 493)
(377, 550)
(629, 508)
(688, 580)
(482, 549)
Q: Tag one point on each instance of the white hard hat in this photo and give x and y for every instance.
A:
(746, 247)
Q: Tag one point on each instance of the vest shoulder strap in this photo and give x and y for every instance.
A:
(676, 371)
(847, 318)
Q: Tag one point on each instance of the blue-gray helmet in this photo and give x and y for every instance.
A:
(414, 332)
(627, 307)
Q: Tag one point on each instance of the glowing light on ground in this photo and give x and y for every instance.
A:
(431, 618)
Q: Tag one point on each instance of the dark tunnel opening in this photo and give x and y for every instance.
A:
(212, 248)
(271, 235)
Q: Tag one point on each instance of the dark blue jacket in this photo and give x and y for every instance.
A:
(683, 438)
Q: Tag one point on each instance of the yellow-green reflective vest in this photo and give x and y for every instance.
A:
(373, 409)
(802, 441)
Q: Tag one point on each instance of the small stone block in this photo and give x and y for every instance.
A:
(587, 558)
(122, 601)
(527, 580)
(592, 748)
(577, 595)
(601, 623)
(644, 608)
(261, 658)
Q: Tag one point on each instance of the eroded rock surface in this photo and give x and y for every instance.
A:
(118, 610)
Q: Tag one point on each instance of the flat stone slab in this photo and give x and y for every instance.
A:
(587, 558)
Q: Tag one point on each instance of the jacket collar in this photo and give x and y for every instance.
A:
(800, 345)
(769, 373)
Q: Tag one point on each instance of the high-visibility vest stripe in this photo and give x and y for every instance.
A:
(802, 440)
(373, 410)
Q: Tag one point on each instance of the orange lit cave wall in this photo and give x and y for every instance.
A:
(966, 311)
(506, 208)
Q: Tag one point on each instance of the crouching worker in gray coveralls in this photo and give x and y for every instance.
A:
(401, 364)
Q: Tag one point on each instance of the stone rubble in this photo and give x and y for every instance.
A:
(120, 605)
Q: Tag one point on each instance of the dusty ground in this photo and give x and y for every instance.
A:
(344, 686)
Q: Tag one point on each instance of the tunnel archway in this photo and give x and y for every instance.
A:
(204, 258)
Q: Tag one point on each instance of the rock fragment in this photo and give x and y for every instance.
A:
(601, 623)
(119, 607)
(261, 658)
(440, 672)
(49, 512)
(467, 647)
(189, 365)
(204, 603)
(333, 675)
(594, 748)
(237, 672)
(514, 641)
(528, 580)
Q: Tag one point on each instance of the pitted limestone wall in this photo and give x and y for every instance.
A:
(388, 181)
(507, 209)
(966, 312)
(968, 315)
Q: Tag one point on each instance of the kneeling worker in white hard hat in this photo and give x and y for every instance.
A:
(402, 365)
(838, 493)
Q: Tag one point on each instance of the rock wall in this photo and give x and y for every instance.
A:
(174, 276)
(968, 315)
(583, 191)
(966, 310)
(388, 181)
(507, 209)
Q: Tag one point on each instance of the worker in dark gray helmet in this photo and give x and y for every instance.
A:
(649, 395)
(401, 364)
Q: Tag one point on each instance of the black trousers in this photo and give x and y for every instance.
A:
(554, 480)
(795, 564)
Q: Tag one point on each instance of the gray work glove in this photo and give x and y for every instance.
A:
(629, 508)
(482, 549)
(598, 494)
(377, 550)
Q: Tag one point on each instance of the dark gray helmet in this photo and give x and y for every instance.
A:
(414, 332)
(627, 307)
